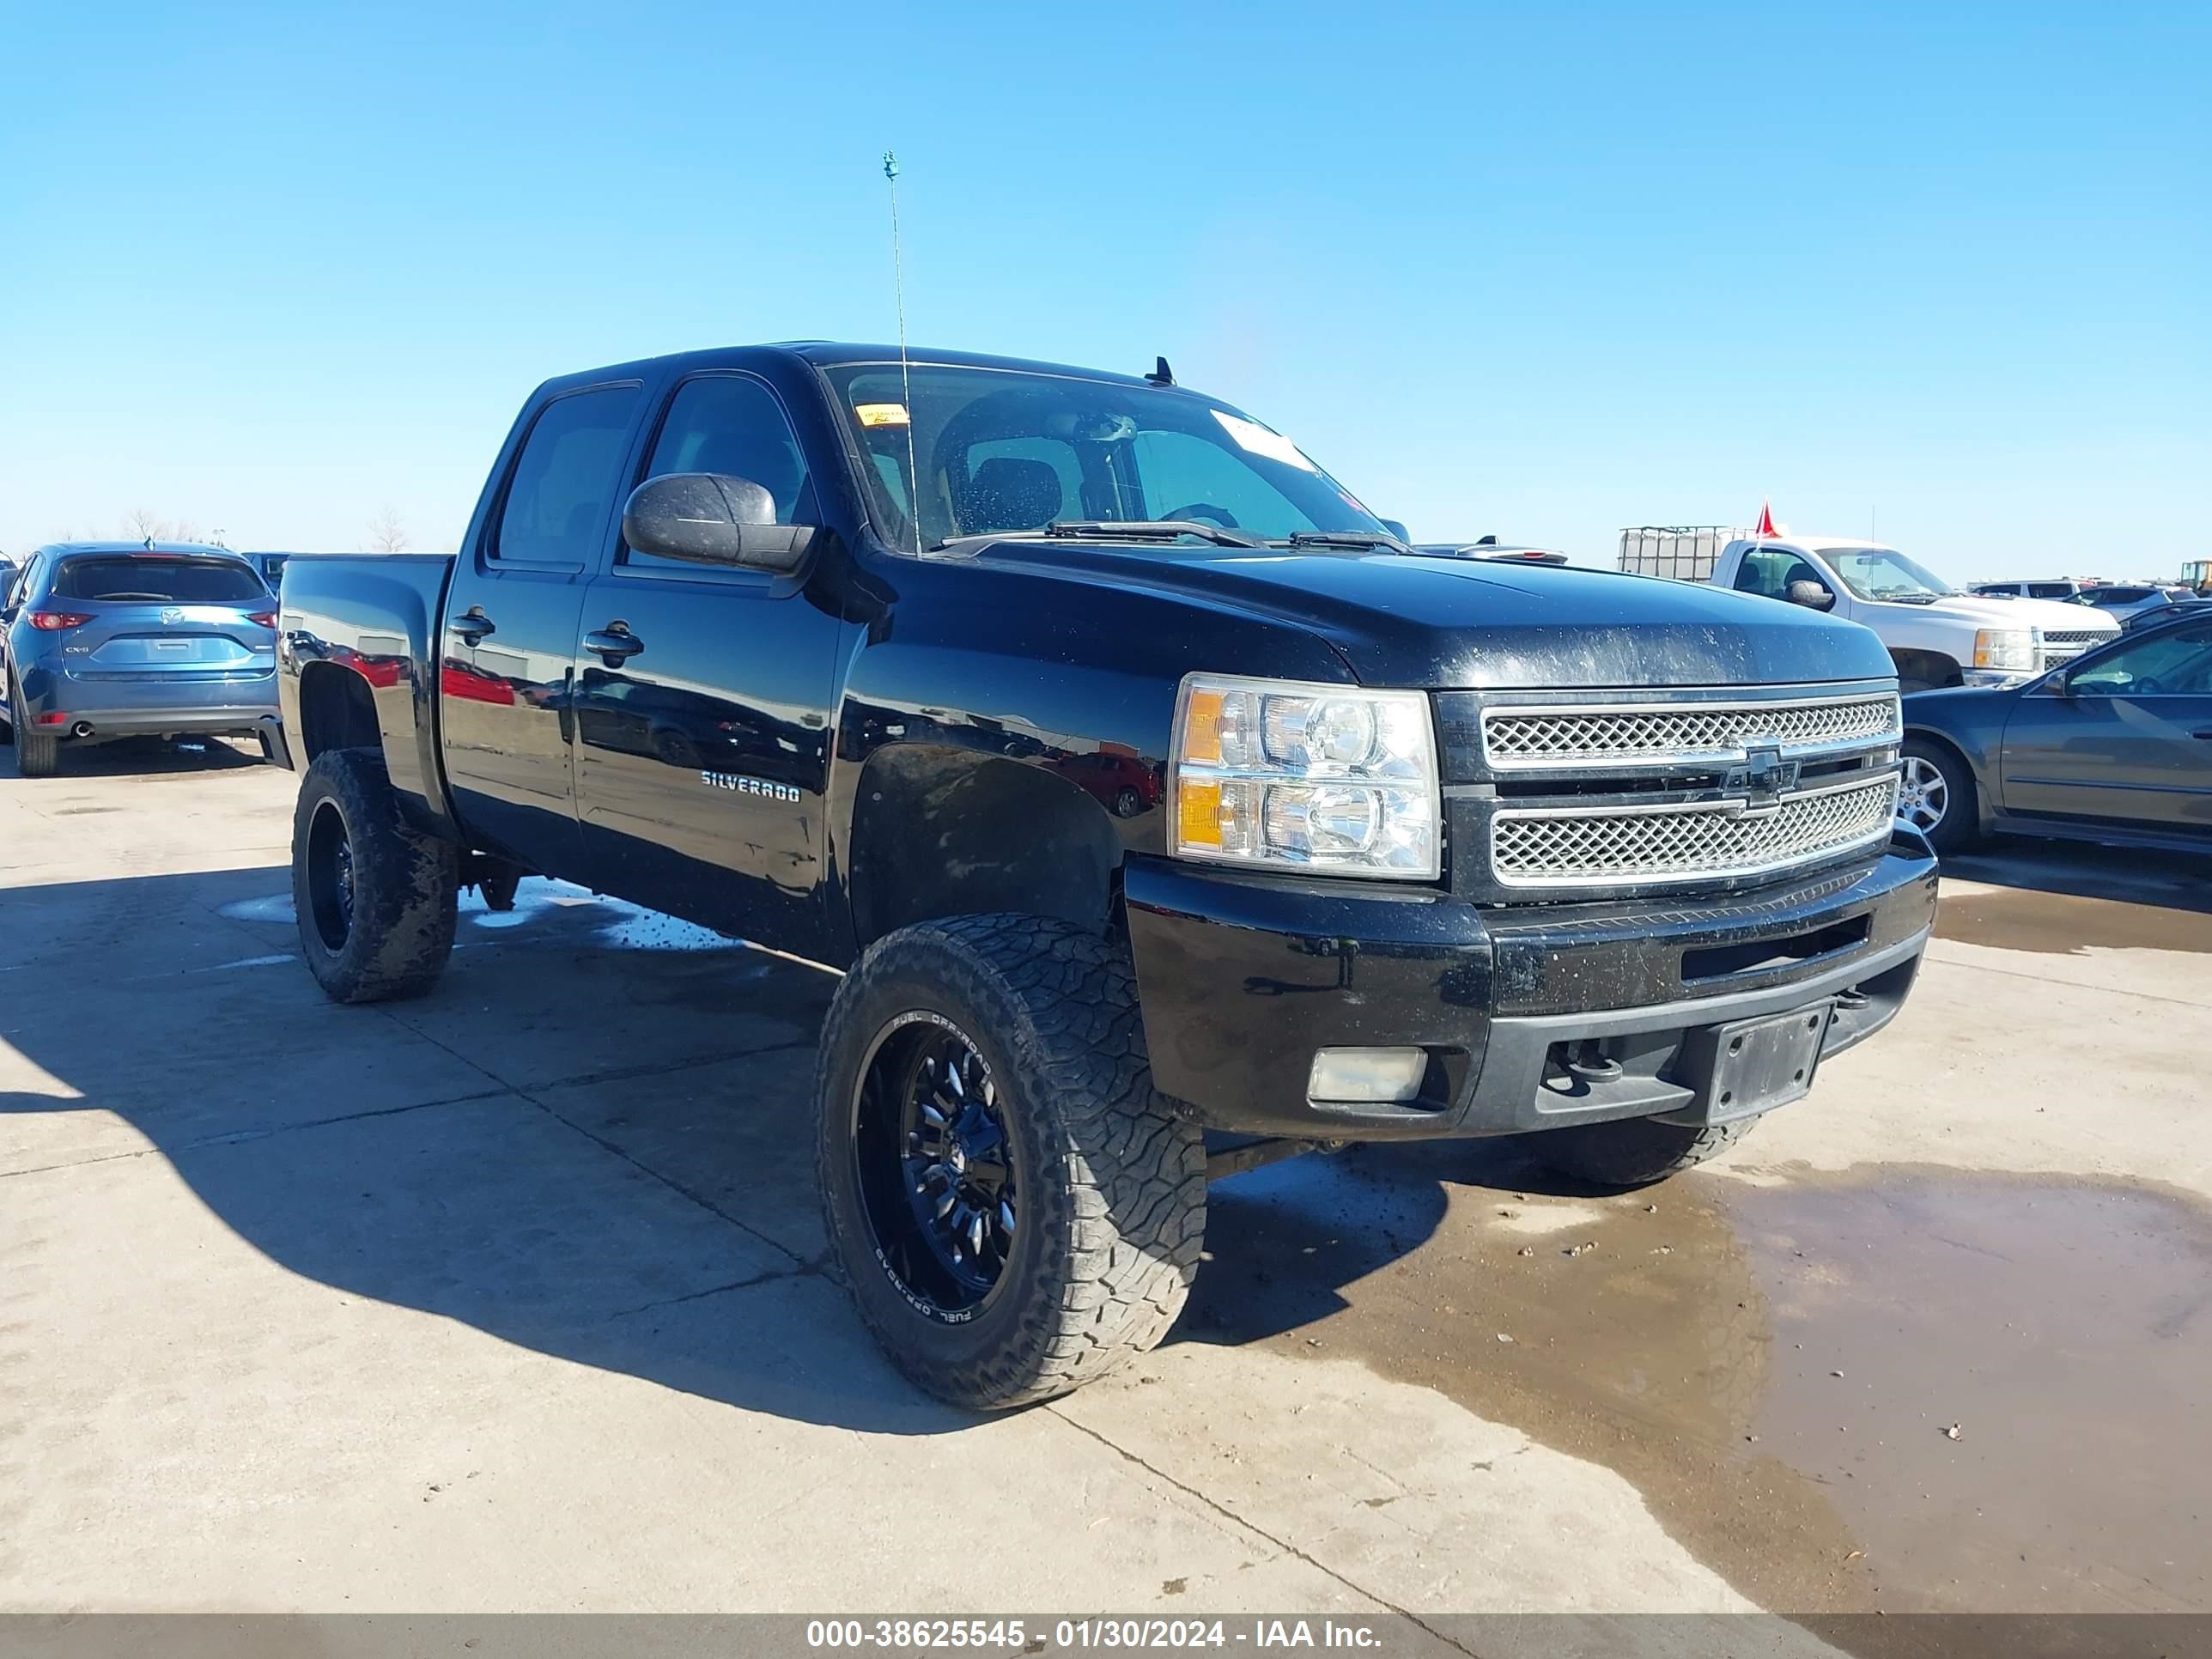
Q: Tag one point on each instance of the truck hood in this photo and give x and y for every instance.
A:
(1446, 624)
(2048, 615)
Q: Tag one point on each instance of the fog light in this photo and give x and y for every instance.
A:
(1374, 1075)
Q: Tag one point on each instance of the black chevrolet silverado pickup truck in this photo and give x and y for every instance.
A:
(1161, 810)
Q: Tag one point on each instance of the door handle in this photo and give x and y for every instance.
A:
(473, 625)
(613, 645)
(2204, 733)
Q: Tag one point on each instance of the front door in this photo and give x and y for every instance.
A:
(2131, 740)
(702, 698)
(506, 661)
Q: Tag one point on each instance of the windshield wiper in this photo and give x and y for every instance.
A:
(1102, 529)
(1151, 530)
(1349, 538)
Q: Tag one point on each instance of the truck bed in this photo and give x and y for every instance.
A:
(377, 615)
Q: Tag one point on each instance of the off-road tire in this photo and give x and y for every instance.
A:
(38, 754)
(1959, 828)
(1112, 1175)
(1636, 1152)
(405, 885)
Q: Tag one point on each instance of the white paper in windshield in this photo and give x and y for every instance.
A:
(1250, 434)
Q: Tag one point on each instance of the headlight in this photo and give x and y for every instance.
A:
(2004, 647)
(1321, 777)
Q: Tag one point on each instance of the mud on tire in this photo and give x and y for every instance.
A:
(1636, 1152)
(1111, 1177)
(384, 928)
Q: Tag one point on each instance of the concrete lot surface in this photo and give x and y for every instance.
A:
(512, 1299)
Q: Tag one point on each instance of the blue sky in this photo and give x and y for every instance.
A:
(1539, 270)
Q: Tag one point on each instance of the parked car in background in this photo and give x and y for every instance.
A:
(1162, 814)
(2125, 599)
(2115, 746)
(2150, 615)
(271, 567)
(8, 569)
(1936, 635)
(2062, 588)
(102, 640)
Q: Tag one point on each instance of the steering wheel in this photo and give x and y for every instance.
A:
(1220, 515)
(2146, 686)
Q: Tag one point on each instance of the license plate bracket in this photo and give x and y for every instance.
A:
(1751, 1066)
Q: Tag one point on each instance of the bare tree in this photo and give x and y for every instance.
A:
(386, 534)
(144, 525)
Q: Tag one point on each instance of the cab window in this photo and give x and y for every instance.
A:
(563, 489)
(730, 424)
(1768, 572)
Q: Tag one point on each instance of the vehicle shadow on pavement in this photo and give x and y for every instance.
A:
(2075, 869)
(591, 1140)
(128, 757)
(1286, 1242)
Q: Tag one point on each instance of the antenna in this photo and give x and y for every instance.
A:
(906, 380)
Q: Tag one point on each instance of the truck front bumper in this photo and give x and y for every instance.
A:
(1532, 1018)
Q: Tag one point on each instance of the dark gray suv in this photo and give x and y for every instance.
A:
(101, 639)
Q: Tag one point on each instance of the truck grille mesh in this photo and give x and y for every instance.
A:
(1597, 847)
(2076, 636)
(1572, 737)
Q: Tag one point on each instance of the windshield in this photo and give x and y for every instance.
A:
(157, 576)
(1010, 449)
(1883, 572)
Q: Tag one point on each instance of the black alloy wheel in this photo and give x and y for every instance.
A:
(936, 1165)
(329, 875)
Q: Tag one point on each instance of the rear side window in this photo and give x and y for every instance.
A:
(154, 579)
(565, 479)
(730, 424)
(1768, 572)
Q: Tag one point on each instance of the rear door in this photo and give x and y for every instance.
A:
(156, 620)
(2132, 745)
(507, 659)
(702, 737)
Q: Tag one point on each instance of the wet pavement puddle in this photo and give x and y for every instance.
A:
(1777, 1366)
(2058, 924)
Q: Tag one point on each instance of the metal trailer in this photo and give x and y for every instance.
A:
(1684, 553)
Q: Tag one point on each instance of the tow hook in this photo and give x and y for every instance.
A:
(1587, 1063)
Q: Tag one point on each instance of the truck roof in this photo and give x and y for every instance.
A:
(832, 353)
(1813, 544)
(195, 550)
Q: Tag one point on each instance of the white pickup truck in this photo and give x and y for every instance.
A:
(1936, 635)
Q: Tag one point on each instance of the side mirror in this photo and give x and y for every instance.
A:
(1397, 529)
(1814, 595)
(712, 518)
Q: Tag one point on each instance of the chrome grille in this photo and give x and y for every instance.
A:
(1566, 847)
(2064, 644)
(1519, 738)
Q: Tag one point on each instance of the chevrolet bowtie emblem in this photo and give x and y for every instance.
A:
(1765, 777)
